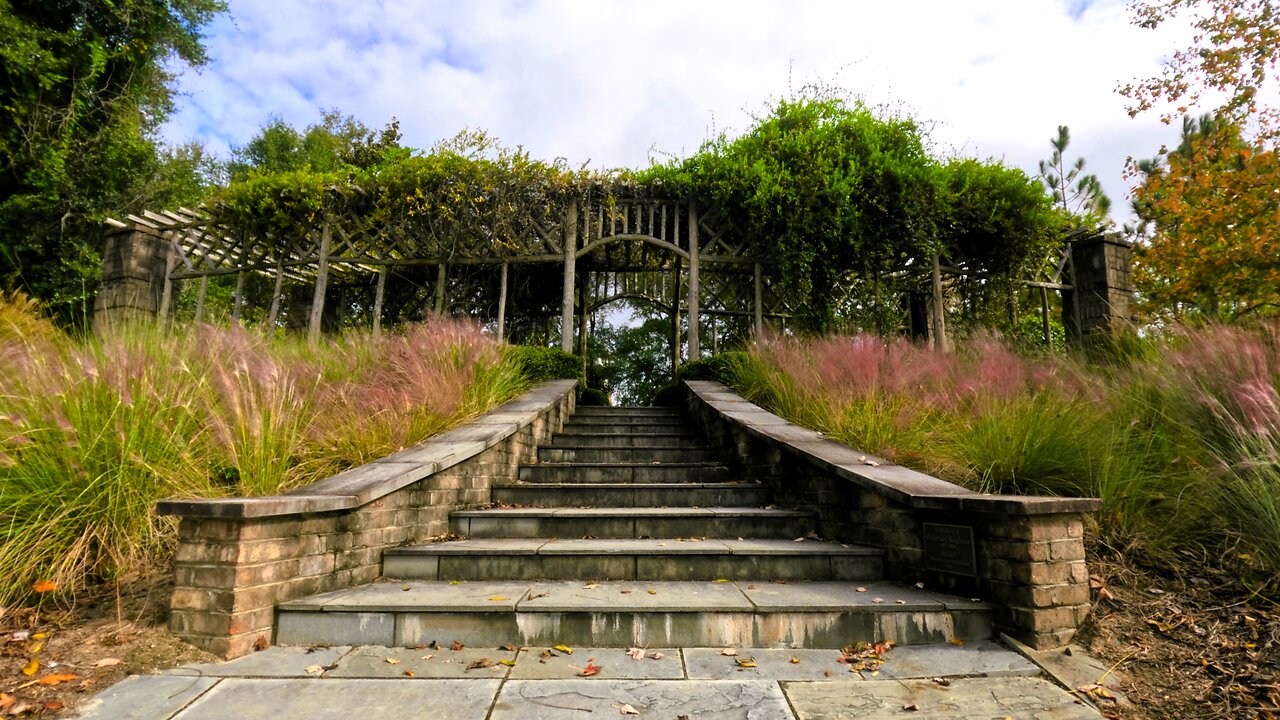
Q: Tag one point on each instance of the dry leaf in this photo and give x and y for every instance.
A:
(433, 645)
(57, 679)
(508, 648)
(636, 653)
(729, 651)
(795, 661)
(534, 596)
(877, 600)
(498, 598)
(942, 681)
(261, 643)
(36, 647)
(653, 592)
(911, 706)
(508, 663)
(408, 673)
(481, 663)
(426, 657)
(456, 646)
(628, 710)
(590, 669)
(44, 586)
(392, 661)
(31, 668)
(564, 649)
(746, 662)
(314, 669)
(591, 586)
(721, 580)
(901, 602)
(957, 642)
(107, 662)
(860, 589)
(6, 700)
(657, 656)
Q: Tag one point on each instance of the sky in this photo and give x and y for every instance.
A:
(617, 84)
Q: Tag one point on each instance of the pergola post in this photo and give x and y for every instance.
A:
(237, 303)
(322, 284)
(675, 321)
(759, 300)
(502, 305)
(1044, 319)
(442, 276)
(166, 295)
(939, 311)
(694, 351)
(273, 315)
(378, 293)
(570, 260)
(584, 298)
(200, 297)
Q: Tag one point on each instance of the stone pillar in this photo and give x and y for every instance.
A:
(1103, 287)
(134, 265)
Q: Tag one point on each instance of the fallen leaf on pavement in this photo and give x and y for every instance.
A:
(591, 586)
(508, 663)
(456, 646)
(508, 648)
(795, 661)
(911, 706)
(657, 656)
(564, 649)
(636, 653)
(729, 651)
(628, 710)
(57, 679)
(314, 669)
(590, 669)
(746, 662)
(392, 661)
(481, 663)
(498, 598)
(957, 642)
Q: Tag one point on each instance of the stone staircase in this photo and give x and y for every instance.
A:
(630, 530)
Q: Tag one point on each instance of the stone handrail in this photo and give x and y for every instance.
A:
(238, 557)
(1025, 554)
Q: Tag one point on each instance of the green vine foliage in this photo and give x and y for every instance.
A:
(849, 205)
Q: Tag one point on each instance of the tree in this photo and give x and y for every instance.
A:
(83, 87)
(1209, 209)
(1215, 253)
(1073, 192)
(336, 142)
(1233, 56)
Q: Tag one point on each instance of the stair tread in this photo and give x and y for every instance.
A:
(691, 512)
(632, 596)
(632, 546)
(629, 464)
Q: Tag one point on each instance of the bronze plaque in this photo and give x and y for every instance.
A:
(950, 549)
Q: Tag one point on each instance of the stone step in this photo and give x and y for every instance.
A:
(622, 428)
(629, 613)
(633, 559)
(670, 421)
(744, 522)
(648, 454)
(636, 495)
(642, 472)
(627, 411)
(578, 438)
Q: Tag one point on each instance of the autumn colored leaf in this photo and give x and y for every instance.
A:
(564, 649)
(481, 663)
(313, 669)
(31, 668)
(6, 700)
(746, 663)
(498, 598)
(57, 679)
(590, 669)
(627, 710)
(393, 661)
(44, 586)
(508, 663)
(107, 662)
(456, 646)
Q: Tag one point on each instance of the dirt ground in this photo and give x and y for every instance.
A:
(86, 647)
(1193, 646)
(1186, 647)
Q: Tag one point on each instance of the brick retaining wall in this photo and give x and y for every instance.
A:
(237, 558)
(1029, 550)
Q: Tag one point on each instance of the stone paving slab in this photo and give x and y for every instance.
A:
(1014, 698)
(671, 596)
(425, 596)
(244, 699)
(277, 662)
(771, 664)
(614, 664)
(424, 663)
(144, 697)
(630, 546)
(974, 659)
(792, 547)
(574, 699)
(488, 546)
(825, 596)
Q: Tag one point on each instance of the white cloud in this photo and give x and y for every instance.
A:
(607, 80)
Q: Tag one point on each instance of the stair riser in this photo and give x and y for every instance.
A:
(631, 629)
(673, 421)
(624, 474)
(628, 497)
(626, 441)
(623, 455)
(634, 527)
(627, 412)
(632, 567)
(600, 428)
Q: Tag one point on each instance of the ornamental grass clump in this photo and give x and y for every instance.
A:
(94, 431)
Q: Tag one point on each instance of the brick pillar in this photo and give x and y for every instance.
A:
(1104, 286)
(133, 271)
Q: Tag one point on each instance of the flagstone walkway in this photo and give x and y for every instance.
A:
(977, 681)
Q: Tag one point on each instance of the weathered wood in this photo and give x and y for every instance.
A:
(273, 316)
(502, 304)
(675, 320)
(582, 322)
(1044, 319)
(759, 299)
(694, 350)
(200, 297)
(237, 302)
(322, 284)
(166, 294)
(570, 259)
(442, 276)
(939, 307)
(378, 294)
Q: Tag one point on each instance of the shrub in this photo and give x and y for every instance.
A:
(539, 364)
